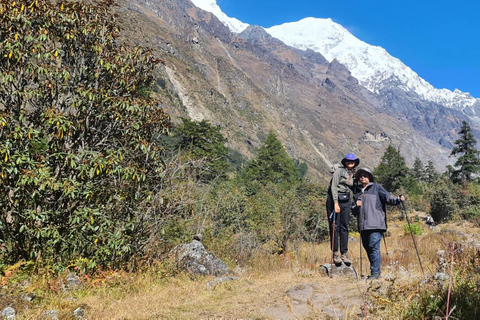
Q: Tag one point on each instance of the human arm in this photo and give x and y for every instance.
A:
(388, 198)
(334, 187)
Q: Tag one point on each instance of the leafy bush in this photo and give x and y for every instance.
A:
(416, 229)
(442, 204)
(431, 301)
(78, 134)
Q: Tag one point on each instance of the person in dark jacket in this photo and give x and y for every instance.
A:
(370, 206)
(339, 206)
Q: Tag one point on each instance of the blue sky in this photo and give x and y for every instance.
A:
(439, 40)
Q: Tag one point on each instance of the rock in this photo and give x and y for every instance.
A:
(51, 314)
(441, 276)
(194, 258)
(79, 313)
(28, 296)
(342, 270)
(302, 292)
(215, 282)
(8, 313)
(72, 281)
(442, 264)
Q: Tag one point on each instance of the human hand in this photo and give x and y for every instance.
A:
(337, 207)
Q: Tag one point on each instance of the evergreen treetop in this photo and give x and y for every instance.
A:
(468, 163)
(392, 170)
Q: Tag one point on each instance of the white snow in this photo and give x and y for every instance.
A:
(371, 65)
(211, 6)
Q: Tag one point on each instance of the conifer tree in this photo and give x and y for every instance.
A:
(204, 141)
(392, 169)
(273, 164)
(468, 163)
(430, 174)
(418, 170)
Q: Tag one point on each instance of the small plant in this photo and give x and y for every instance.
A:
(415, 228)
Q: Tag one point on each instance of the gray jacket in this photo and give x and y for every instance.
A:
(342, 182)
(372, 214)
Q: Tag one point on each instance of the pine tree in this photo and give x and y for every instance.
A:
(273, 163)
(392, 170)
(204, 141)
(468, 161)
(430, 174)
(418, 170)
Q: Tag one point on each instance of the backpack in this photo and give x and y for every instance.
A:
(335, 167)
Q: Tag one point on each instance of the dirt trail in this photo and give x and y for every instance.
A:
(339, 297)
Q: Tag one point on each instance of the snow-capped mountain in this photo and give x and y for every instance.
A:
(211, 6)
(371, 65)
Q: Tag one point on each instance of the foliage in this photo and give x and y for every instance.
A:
(201, 140)
(392, 170)
(78, 134)
(430, 174)
(416, 229)
(468, 161)
(418, 170)
(442, 203)
(272, 165)
(464, 300)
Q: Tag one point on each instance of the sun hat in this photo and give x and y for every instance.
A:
(365, 170)
(350, 157)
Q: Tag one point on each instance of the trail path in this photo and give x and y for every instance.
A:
(338, 297)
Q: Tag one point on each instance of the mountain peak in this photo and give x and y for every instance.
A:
(373, 66)
(233, 24)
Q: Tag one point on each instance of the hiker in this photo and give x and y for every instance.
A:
(370, 202)
(339, 206)
(429, 221)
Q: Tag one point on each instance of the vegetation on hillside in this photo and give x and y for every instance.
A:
(95, 176)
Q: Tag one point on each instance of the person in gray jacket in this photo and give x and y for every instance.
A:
(370, 207)
(338, 206)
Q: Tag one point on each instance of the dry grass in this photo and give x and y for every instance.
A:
(262, 285)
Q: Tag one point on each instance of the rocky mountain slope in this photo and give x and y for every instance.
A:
(402, 93)
(250, 83)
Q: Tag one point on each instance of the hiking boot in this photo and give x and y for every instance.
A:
(375, 276)
(337, 260)
(346, 260)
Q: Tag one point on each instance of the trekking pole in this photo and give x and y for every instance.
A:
(385, 243)
(361, 270)
(333, 240)
(413, 238)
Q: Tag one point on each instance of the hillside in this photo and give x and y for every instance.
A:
(250, 83)
(277, 287)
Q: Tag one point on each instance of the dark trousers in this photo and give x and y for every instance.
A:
(341, 224)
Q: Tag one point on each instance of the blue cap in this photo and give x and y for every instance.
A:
(350, 157)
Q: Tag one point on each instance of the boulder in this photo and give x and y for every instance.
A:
(342, 270)
(194, 258)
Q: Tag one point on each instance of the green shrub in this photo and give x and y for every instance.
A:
(442, 203)
(78, 139)
(431, 301)
(416, 229)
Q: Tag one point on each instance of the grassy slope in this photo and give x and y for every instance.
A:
(259, 292)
